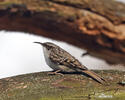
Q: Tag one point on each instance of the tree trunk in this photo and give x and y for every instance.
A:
(40, 86)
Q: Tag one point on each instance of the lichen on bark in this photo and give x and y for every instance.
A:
(41, 86)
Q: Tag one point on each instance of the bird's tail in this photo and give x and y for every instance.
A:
(94, 76)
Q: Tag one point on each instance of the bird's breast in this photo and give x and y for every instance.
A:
(48, 61)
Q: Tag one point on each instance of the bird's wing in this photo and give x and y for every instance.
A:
(68, 60)
(64, 58)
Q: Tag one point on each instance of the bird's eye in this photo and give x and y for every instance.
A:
(48, 48)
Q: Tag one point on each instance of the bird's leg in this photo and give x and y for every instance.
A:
(84, 54)
(55, 73)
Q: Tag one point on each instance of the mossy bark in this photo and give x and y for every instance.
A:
(41, 86)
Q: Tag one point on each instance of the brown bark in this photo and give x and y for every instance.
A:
(95, 25)
(40, 86)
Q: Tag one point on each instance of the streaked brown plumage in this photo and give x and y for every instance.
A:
(59, 59)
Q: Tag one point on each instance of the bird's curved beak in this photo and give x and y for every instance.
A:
(38, 43)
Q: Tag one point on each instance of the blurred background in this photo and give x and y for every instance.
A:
(19, 55)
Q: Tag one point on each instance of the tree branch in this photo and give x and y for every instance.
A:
(40, 86)
(95, 25)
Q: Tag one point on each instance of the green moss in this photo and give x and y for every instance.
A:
(41, 86)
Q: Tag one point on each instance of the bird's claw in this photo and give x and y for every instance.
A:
(55, 73)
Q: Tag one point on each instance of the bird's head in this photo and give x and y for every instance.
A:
(47, 45)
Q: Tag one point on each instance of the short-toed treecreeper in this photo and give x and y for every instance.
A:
(60, 60)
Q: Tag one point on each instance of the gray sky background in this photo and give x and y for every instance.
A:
(19, 55)
(121, 0)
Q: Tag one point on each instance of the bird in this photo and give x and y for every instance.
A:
(62, 61)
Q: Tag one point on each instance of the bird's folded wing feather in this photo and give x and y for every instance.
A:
(59, 57)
